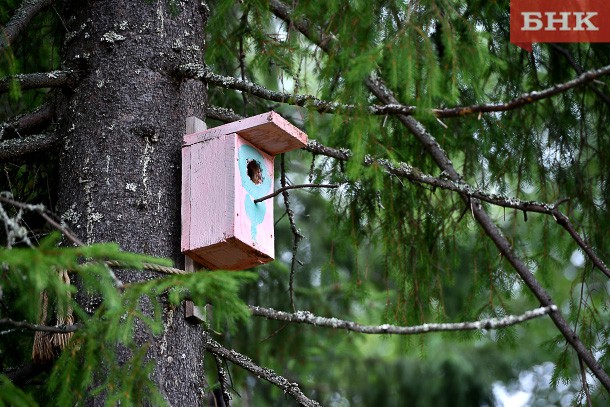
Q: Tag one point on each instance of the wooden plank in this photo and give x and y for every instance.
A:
(269, 132)
(193, 313)
(193, 124)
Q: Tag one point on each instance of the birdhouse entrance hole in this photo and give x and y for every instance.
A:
(255, 172)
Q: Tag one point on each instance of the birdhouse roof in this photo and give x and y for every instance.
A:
(269, 132)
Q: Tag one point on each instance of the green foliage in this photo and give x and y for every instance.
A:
(91, 358)
(11, 395)
(378, 249)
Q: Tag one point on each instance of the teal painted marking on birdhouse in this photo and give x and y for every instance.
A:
(255, 183)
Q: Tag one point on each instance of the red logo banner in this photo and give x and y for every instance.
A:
(559, 21)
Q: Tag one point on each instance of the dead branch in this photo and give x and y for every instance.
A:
(40, 328)
(201, 72)
(306, 317)
(54, 79)
(18, 147)
(260, 372)
(222, 114)
(24, 14)
(27, 122)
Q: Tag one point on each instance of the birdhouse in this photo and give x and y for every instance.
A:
(224, 169)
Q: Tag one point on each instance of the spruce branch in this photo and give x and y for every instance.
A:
(378, 88)
(289, 187)
(382, 92)
(24, 14)
(223, 380)
(306, 317)
(201, 72)
(526, 98)
(262, 373)
(326, 42)
(221, 114)
(19, 147)
(26, 122)
(40, 328)
(54, 79)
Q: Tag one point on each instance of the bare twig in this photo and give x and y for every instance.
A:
(286, 188)
(19, 147)
(305, 317)
(386, 96)
(41, 328)
(222, 114)
(297, 236)
(53, 79)
(20, 20)
(260, 372)
(223, 380)
(41, 210)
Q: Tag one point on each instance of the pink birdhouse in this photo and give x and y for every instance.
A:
(224, 169)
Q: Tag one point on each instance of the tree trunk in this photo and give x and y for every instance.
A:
(120, 158)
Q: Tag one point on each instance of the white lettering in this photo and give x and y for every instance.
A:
(551, 20)
(580, 21)
(529, 18)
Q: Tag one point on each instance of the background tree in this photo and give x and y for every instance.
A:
(472, 184)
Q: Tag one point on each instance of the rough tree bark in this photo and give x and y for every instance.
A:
(120, 153)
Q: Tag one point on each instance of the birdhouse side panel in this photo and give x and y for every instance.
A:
(211, 192)
(185, 206)
(253, 179)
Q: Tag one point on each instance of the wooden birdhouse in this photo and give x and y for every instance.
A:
(224, 169)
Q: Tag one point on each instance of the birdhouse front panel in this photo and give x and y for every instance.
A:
(253, 222)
